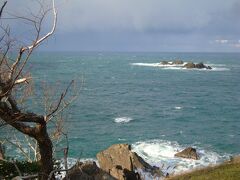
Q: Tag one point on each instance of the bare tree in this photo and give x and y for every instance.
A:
(13, 78)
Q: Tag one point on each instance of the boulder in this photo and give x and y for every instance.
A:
(189, 153)
(208, 67)
(121, 162)
(189, 65)
(123, 174)
(200, 66)
(178, 62)
(87, 171)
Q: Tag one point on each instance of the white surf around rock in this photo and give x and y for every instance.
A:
(161, 153)
(215, 67)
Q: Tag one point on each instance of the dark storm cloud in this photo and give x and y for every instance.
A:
(157, 25)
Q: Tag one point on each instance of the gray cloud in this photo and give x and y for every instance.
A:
(158, 25)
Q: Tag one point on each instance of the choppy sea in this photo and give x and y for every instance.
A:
(130, 98)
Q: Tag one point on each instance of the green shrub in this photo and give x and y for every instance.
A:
(8, 170)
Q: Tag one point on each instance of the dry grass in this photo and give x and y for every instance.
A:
(225, 171)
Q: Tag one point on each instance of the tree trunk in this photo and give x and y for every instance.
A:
(45, 149)
(1, 151)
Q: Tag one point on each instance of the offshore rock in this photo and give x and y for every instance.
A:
(178, 62)
(189, 65)
(120, 162)
(164, 62)
(200, 66)
(189, 153)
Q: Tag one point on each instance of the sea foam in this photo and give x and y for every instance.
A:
(161, 153)
(215, 67)
(178, 107)
(122, 119)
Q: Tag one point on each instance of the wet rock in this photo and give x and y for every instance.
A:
(189, 65)
(189, 153)
(178, 62)
(208, 67)
(200, 66)
(121, 162)
(164, 62)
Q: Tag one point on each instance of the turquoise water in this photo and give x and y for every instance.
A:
(127, 98)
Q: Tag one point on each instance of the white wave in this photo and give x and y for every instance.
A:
(215, 67)
(178, 107)
(220, 69)
(122, 119)
(158, 64)
(161, 153)
(146, 64)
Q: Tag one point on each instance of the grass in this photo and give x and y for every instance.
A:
(225, 171)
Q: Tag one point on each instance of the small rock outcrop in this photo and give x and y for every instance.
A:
(198, 66)
(87, 171)
(189, 153)
(164, 62)
(235, 159)
(189, 65)
(178, 62)
(120, 162)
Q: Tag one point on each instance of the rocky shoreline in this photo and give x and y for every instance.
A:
(188, 65)
(119, 162)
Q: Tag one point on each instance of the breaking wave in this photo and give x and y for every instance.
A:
(122, 119)
(215, 67)
(161, 153)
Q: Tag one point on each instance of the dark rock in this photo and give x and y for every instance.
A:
(121, 162)
(87, 171)
(208, 67)
(123, 174)
(178, 62)
(200, 66)
(189, 65)
(189, 153)
(164, 62)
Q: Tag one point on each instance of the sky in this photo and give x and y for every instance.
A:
(139, 25)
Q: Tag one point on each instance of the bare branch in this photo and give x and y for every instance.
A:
(60, 100)
(4, 4)
(38, 41)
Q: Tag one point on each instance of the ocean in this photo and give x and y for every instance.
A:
(129, 98)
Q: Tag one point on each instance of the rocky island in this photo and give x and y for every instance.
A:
(188, 65)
